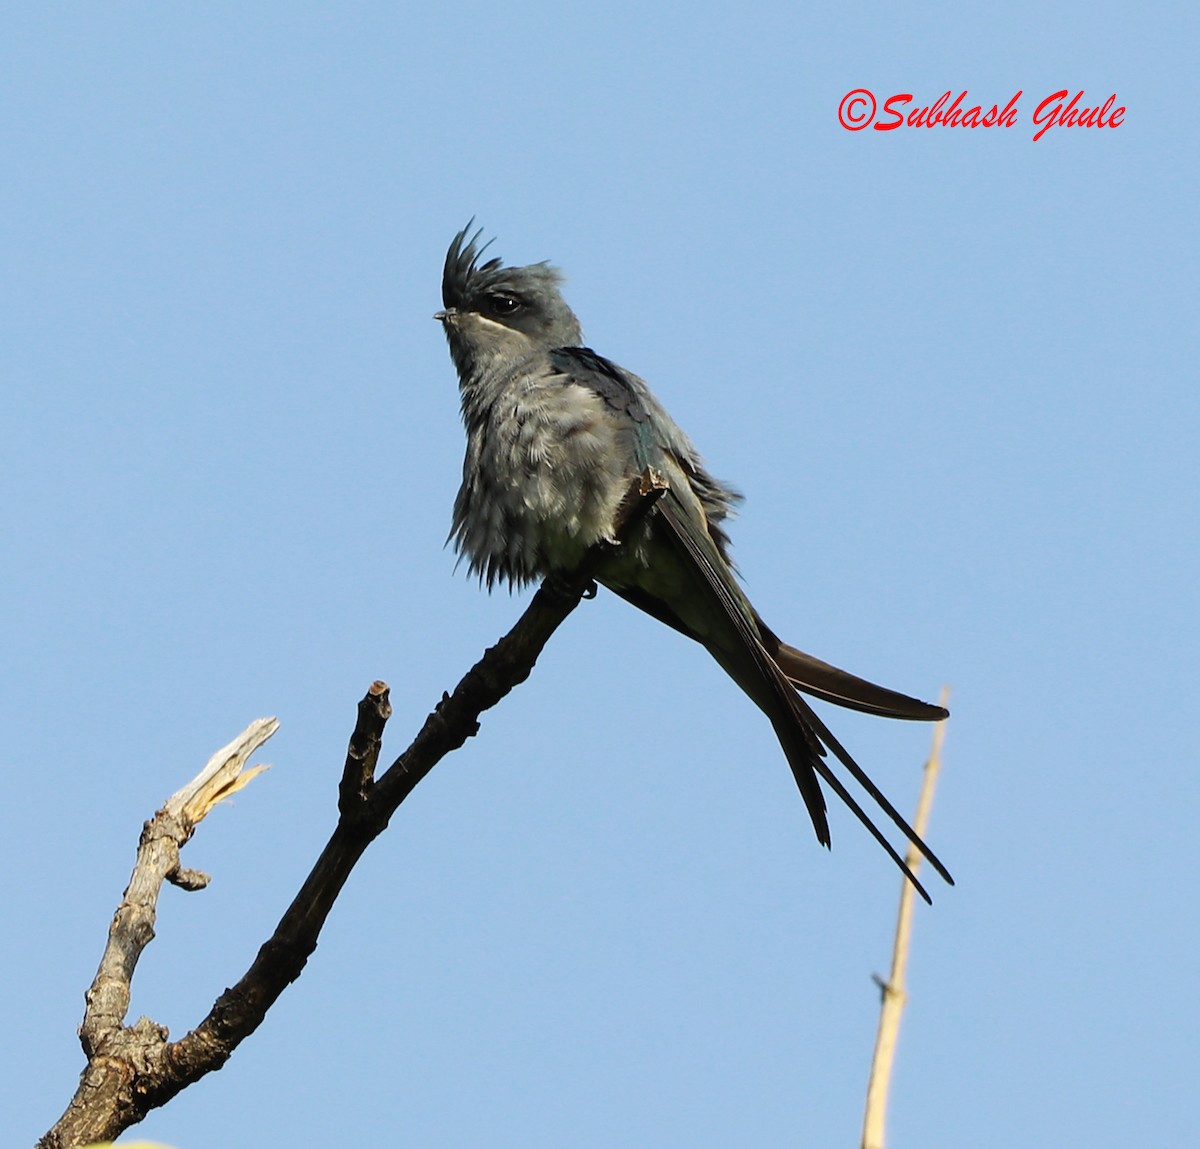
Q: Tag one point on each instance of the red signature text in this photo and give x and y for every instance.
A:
(1051, 113)
(858, 108)
(953, 116)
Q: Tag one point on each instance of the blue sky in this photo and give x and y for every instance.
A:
(953, 373)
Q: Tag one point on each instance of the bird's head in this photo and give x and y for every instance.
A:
(496, 312)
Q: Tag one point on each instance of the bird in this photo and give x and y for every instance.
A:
(555, 435)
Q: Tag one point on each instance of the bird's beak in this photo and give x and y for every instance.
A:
(447, 315)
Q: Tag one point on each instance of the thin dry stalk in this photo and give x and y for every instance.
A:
(893, 991)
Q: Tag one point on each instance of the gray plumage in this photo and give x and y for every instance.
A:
(555, 435)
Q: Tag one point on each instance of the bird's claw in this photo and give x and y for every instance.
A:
(567, 586)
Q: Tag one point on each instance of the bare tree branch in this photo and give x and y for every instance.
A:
(115, 1052)
(133, 1069)
(893, 990)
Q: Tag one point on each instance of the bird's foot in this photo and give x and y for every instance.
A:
(566, 586)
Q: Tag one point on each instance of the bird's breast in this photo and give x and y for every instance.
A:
(544, 477)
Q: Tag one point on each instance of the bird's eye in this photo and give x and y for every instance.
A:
(503, 304)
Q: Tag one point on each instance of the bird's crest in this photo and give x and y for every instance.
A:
(465, 279)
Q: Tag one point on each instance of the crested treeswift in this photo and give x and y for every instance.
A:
(555, 435)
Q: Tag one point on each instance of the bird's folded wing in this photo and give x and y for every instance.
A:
(843, 688)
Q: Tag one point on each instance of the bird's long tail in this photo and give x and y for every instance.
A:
(770, 672)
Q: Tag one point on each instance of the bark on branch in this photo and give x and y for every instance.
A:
(133, 1069)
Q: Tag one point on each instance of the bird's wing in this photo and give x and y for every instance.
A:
(831, 684)
(623, 392)
(659, 442)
